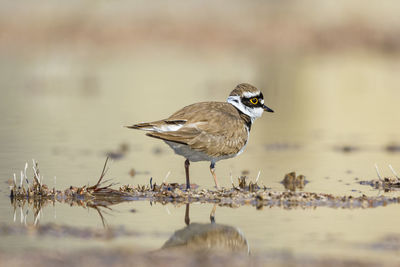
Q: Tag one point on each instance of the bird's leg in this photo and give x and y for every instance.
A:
(187, 219)
(212, 214)
(212, 170)
(187, 164)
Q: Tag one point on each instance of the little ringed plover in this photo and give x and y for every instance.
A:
(210, 131)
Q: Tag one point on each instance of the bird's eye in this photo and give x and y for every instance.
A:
(254, 100)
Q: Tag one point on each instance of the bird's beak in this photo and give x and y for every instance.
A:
(267, 108)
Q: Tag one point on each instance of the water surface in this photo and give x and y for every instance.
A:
(68, 113)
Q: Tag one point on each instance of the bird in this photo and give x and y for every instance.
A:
(208, 237)
(210, 131)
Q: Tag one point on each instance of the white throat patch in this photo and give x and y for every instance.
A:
(253, 113)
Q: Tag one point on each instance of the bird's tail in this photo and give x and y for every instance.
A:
(159, 126)
(141, 126)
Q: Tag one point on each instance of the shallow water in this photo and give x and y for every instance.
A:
(67, 113)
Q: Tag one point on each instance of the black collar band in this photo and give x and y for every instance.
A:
(246, 118)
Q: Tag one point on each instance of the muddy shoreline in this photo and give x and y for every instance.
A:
(102, 193)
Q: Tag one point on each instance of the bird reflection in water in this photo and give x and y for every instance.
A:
(208, 237)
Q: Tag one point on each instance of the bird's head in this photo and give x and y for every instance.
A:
(249, 100)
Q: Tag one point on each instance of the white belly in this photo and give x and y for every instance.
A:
(193, 155)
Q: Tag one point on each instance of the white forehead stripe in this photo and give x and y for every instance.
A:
(251, 94)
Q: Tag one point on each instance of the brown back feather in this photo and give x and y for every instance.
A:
(215, 128)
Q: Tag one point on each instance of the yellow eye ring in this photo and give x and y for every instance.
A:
(254, 101)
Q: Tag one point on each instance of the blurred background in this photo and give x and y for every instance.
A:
(73, 73)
